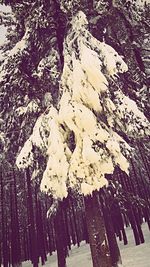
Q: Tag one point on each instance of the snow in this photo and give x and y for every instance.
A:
(82, 82)
(136, 256)
(132, 256)
(49, 63)
(3, 31)
(4, 8)
(129, 117)
(32, 107)
(38, 138)
(21, 45)
(25, 157)
(54, 177)
(141, 3)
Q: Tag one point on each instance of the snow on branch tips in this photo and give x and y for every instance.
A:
(87, 113)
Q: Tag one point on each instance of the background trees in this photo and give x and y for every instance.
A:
(30, 74)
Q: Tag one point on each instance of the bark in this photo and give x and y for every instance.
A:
(32, 232)
(61, 245)
(97, 233)
(41, 246)
(16, 248)
(5, 256)
(112, 242)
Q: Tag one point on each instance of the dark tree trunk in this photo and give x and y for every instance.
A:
(97, 232)
(113, 246)
(40, 230)
(61, 245)
(5, 259)
(15, 227)
(32, 232)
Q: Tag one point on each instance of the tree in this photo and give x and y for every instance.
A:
(64, 132)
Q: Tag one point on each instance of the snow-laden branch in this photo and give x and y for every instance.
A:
(87, 111)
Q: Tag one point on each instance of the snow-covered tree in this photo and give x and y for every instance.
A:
(90, 112)
(71, 104)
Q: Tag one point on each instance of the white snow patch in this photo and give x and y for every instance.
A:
(6, 9)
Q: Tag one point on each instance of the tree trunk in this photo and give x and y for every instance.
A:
(3, 223)
(15, 240)
(32, 232)
(61, 245)
(97, 233)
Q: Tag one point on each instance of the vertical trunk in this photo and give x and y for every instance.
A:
(16, 255)
(4, 227)
(40, 230)
(61, 245)
(32, 232)
(72, 230)
(97, 233)
(113, 246)
(145, 163)
(65, 204)
(0, 253)
(85, 230)
(134, 225)
(72, 207)
(24, 246)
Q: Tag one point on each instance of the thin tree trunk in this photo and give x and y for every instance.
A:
(17, 256)
(32, 233)
(4, 227)
(61, 245)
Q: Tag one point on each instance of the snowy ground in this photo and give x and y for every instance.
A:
(132, 256)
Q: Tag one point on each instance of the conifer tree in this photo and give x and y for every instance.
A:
(72, 106)
(92, 115)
